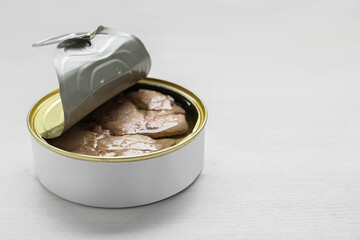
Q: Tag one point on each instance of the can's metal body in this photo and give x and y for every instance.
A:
(122, 181)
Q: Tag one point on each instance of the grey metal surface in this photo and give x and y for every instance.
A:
(95, 67)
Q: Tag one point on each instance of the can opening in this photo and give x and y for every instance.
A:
(194, 107)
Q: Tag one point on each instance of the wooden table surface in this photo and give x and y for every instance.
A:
(281, 83)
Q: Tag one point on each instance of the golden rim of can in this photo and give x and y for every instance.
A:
(187, 94)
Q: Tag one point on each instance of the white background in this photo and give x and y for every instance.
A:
(281, 83)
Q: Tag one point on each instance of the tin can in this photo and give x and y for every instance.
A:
(116, 182)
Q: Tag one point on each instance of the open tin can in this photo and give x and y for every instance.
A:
(92, 68)
(115, 182)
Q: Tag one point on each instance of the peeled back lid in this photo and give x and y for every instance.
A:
(91, 69)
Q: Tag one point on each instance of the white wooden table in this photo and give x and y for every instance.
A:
(281, 83)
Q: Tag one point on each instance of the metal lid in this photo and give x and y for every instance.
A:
(91, 69)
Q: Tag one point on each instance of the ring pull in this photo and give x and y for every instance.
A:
(70, 37)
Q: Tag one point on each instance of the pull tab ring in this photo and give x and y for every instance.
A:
(59, 39)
